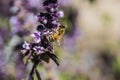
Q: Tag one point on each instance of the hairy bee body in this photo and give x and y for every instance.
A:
(57, 34)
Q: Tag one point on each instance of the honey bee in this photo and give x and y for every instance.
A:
(56, 36)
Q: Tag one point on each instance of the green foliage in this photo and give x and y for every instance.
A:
(70, 76)
(116, 65)
(91, 1)
(4, 22)
(106, 19)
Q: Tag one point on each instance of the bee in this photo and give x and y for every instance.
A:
(56, 36)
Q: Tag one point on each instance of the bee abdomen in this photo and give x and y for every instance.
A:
(50, 38)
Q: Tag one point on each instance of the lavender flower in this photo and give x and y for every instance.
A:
(60, 14)
(41, 49)
(44, 21)
(38, 50)
(36, 36)
(26, 45)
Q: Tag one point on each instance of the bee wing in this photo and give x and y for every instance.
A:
(61, 41)
(58, 41)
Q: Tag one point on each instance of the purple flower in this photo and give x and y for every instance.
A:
(15, 24)
(56, 23)
(42, 47)
(45, 21)
(38, 49)
(26, 45)
(34, 3)
(60, 14)
(48, 33)
(52, 9)
(50, 6)
(48, 2)
(36, 36)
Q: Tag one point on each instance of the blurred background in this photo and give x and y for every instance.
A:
(90, 48)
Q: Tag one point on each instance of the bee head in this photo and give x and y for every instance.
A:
(62, 26)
